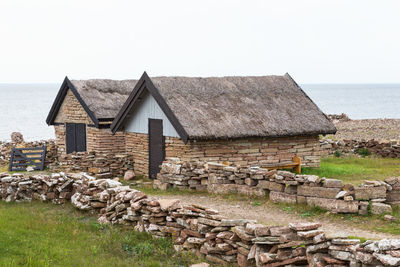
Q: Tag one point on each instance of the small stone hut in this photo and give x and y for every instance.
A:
(247, 121)
(83, 112)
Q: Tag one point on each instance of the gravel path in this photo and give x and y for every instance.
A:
(271, 215)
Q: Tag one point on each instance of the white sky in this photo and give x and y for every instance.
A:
(316, 41)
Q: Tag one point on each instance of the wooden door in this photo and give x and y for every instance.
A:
(75, 137)
(156, 147)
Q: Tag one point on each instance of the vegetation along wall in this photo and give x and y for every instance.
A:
(200, 229)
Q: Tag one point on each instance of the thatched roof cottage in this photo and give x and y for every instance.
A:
(242, 120)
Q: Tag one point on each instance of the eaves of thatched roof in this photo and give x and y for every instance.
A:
(231, 107)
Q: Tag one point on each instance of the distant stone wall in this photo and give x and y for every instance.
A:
(200, 229)
(382, 149)
(281, 186)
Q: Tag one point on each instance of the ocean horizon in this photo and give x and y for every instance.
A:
(25, 106)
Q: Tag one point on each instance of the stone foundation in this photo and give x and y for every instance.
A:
(200, 229)
(281, 186)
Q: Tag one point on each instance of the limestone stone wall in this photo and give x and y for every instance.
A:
(282, 186)
(72, 111)
(202, 230)
(244, 152)
(102, 165)
(138, 146)
(248, 152)
(103, 141)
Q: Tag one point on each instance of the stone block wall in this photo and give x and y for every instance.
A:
(244, 152)
(72, 111)
(138, 146)
(103, 141)
(102, 165)
(200, 229)
(281, 186)
(248, 152)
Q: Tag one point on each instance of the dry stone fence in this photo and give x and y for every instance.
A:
(281, 186)
(200, 229)
(382, 149)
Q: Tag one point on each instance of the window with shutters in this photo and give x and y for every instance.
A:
(75, 137)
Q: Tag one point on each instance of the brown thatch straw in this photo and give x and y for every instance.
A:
(232, 107)
(104, 97)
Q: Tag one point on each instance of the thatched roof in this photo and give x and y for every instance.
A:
(235, 107)
(104, 97)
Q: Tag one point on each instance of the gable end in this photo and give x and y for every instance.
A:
(67, 85)
(145, 83)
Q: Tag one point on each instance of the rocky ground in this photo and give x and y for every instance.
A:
(383, 130)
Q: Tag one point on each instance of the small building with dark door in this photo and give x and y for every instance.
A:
(243, 120)
(247, 121)
(82, 114)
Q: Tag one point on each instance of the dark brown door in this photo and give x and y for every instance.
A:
(75, 137)
(156, 147)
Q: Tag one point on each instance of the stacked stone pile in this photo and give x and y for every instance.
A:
(57, 188)
(100, 165)
(202, 230)
(282, 186)
(382, 149)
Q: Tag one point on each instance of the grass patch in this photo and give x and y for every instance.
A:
(43, 234)
(355, 170)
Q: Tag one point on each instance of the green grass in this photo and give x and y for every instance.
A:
(355, 170)
(43, 234)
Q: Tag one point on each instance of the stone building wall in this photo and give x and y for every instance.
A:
(249, 151)
(138, 146)
(103, 141)
(72, 111)
(243, 152)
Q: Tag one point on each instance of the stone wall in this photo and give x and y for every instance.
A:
(138, 146)
(382, 149)
(244, 152)
(200, 229)
(248, 152)
(281, 186)
(102, 165)
(103, 141)
(72, 111)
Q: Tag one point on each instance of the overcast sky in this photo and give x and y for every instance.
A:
(316, 41)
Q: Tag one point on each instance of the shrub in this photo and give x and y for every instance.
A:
(337, 153)
(363, 152)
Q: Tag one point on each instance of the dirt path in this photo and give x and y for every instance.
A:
(268, 214)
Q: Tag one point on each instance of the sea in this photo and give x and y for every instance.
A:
(24, 107)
